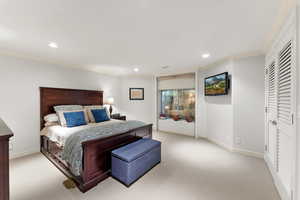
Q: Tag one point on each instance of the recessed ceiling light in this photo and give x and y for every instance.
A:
(53, 45)
(165, 67)
(205, 55)
(136, 69)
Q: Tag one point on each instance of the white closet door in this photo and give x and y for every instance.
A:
(281, 106)
(285, 108)
(271, 117)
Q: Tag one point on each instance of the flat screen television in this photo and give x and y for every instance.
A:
(217, 85)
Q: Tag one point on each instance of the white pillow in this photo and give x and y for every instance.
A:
(90, 114)
(47, 124)
(68, 107)
(62, 119)
(51, 118)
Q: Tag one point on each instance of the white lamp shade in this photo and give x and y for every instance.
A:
(110, 100)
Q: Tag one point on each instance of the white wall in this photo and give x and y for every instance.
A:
(215, 113)
(143, 110)
(248, 104)
(236, 120)
(19, 103)
(177, 83)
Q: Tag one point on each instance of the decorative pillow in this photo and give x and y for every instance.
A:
(68, 108)
(75, 119)
(100, 115)
(89, 112)
(62, 118)
(51, 118)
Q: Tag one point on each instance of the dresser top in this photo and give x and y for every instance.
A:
(4, 130)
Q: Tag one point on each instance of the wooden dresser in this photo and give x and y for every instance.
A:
(5, 134)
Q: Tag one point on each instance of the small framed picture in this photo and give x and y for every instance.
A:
(136, 93)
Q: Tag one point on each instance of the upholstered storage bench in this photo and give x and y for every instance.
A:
(132, 161)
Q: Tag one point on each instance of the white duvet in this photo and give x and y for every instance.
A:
(59, 134)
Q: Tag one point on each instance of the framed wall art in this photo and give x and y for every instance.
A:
(136, 93)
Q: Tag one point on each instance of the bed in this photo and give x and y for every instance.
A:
(96, 153)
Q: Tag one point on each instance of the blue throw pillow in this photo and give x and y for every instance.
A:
(100, 115)
(74, 119)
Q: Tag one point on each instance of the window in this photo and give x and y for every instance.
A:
(178, 104)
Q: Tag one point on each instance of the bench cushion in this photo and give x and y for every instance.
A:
(135, 150)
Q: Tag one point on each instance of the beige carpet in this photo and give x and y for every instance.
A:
(190, 170)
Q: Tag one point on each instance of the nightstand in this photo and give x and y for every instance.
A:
(120, 117)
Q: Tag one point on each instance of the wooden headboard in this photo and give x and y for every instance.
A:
(50, 97)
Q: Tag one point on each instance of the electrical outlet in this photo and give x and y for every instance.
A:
(238, 140)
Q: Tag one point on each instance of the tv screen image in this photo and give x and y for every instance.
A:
(217, 84)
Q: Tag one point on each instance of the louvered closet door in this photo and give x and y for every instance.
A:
(285, 108)
(271, 99)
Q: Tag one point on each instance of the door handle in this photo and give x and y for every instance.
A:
(273, 122)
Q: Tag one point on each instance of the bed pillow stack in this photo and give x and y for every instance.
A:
(76, 115)
(71, 115)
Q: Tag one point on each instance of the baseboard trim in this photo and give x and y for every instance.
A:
(236, 150)
(201, 138)
(278, 184)
(249, 153)
(24, 153)
(176, 133)
(220, 144)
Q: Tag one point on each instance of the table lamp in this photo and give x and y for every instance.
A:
(110, 102)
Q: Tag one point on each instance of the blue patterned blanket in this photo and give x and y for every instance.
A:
(73, 153)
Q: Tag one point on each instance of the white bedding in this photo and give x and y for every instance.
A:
(60, 134)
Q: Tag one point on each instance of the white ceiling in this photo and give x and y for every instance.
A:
(115, 36)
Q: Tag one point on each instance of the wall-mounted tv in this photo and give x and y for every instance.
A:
(217, 85)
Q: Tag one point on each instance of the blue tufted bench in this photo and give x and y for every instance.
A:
(132, 161)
